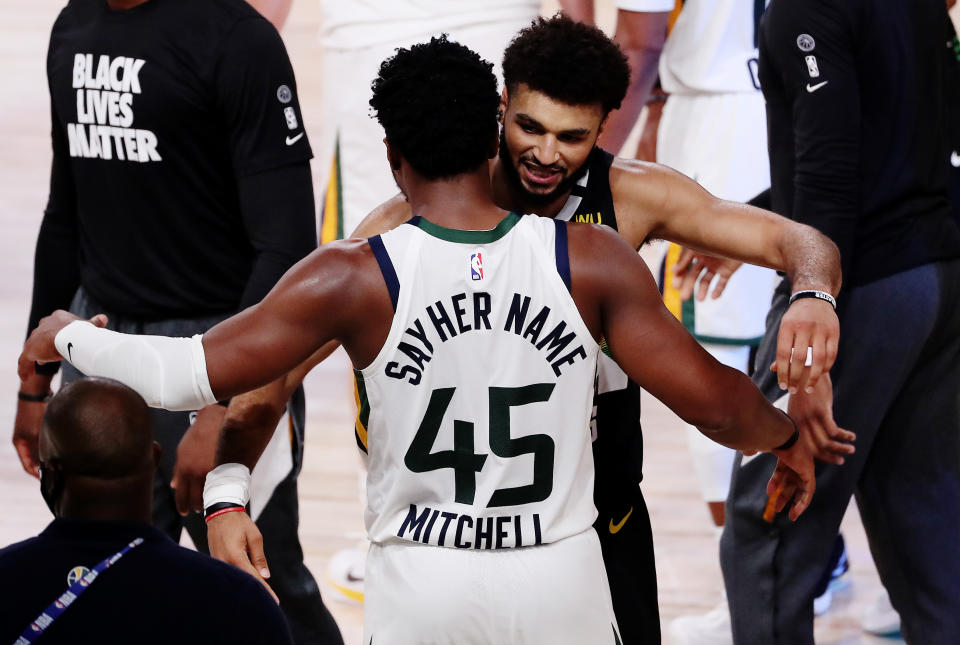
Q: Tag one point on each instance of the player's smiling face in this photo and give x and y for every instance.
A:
(546, 142)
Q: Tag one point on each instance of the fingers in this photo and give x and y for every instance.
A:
(27, 457)
(801, 342)
(721, 284)
(818, 352)
(255, 549)
(802, 498)
(25, 366)
(181, 488)
(684, 261)
(687, 282)
(704, 286)
(785, 347)
(830, 352)
(100, 320)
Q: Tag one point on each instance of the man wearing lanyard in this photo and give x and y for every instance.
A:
(98, 460)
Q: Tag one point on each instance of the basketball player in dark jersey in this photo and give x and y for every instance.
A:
(562, 79)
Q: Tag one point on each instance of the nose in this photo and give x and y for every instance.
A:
(546, 152)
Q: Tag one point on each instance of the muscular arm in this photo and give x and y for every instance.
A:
(656, 351)
(252, 417)
(653, 201)
(297, 317)
(641, 35)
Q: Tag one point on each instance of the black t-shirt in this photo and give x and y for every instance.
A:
(158, 592)
(158, 112)
(855, 115)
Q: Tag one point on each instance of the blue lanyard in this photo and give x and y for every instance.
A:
(35, 629)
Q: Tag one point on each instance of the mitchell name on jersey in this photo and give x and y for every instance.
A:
(474, 418)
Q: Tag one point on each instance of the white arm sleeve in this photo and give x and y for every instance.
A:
(167, 372)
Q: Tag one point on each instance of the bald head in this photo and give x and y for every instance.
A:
(99, 428)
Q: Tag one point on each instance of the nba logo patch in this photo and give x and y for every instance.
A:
(476, 266)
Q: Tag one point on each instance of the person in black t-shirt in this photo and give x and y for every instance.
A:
(854, 95)
(180, 192)
(97, 462)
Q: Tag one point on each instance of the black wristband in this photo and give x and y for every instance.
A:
(219, 506)
(814, 293)
(34, 398)
(788, 444)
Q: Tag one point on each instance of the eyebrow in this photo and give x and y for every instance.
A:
(529, 120)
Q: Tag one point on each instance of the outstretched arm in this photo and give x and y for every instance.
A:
(332, 294)
(655, 202)
(612, 285)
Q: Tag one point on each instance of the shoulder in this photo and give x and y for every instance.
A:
(385, 217)
(13, 554)
(641, 190)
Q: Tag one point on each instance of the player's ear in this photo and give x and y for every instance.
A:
(504, 102)
(393, 157)
(603, 123)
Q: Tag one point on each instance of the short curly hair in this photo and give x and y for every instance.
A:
(438, 103)
(568, 61)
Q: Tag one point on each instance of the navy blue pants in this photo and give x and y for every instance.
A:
(896, 384)
(309, 620)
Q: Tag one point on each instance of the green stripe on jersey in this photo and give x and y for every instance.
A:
(469, 237)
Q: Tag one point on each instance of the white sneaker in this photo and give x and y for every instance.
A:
(345, 574)
(880, 618)
(712, 628)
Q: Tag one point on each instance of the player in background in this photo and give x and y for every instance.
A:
(383, 299)
(839, 133)
(180, 192)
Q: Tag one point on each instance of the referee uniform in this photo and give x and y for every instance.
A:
(854, 96)
(180, 193)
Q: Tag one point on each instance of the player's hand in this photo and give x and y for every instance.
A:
(809, 322)
(813, 414)
(793, 478)
(698, 270)
(235, 539)
(26, 425)
(40, 347)
(195, 455)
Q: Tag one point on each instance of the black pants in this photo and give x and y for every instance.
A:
(309, 620)
(896, 384)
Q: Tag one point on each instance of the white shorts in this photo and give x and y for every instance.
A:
(354, 169)
(720, 140)
(555, 593)
(713, 462)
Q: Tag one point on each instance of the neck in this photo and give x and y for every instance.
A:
(123, 5)
(464, 201)
(121, 500)
(507, 195)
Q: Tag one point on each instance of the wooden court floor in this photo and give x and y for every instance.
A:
(330, 509)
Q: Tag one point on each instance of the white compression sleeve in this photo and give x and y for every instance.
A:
(168, 373)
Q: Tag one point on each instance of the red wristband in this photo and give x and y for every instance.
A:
(222, 511)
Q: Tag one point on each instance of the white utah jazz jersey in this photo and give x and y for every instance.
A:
(475, 415)
(712, 46)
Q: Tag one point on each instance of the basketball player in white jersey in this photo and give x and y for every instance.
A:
(478, 333)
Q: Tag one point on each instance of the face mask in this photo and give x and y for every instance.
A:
(51, 485)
